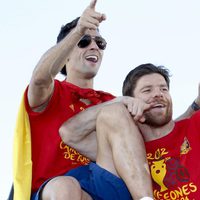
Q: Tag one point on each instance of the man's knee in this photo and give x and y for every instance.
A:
(62, 187)
(113, 119)
(112, 112)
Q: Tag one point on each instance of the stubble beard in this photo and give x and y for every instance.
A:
(156, 120)
(90, 72)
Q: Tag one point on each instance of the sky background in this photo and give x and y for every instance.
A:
(157, 31)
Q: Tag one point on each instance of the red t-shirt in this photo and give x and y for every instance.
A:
(174, 161)
(50, 156)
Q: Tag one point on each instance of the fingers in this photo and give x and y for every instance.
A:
(142, 119)
(89, 22)
(136, 107)
(90, 12)
(90, 19)
(103, 17)
(139, 114)
(93, 4)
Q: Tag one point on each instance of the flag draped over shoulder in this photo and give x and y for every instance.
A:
(22, 163)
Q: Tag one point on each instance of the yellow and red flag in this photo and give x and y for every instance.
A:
(22, 163)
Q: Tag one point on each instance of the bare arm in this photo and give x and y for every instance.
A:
(42, 81)
(79, 131)
(191, 109)
(50, 64)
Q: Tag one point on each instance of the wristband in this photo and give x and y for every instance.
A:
(195, 106)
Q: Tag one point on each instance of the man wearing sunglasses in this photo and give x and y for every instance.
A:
(49, 103)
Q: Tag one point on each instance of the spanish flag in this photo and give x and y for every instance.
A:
(22, 163)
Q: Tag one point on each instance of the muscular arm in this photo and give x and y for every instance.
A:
(50, 64)
(42, 81)
(190, 111)
(79, 131)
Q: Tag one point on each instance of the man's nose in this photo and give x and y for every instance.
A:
(158, 93)
(93, 45)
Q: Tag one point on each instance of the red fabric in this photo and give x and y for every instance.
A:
(175, 160)
(51, 157)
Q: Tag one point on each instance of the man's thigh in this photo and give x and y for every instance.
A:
(64, 186)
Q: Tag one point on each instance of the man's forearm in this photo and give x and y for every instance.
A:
(54, 59)
(195, 106)
(42, 81)
(78, 127)
(192, 108)
(79, 131)
(81, 125)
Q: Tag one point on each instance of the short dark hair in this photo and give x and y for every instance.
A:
(65, 30)
(134, 75)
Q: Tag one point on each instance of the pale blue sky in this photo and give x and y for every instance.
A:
(162, 32)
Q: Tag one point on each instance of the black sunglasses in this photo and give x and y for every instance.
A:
(87, 39)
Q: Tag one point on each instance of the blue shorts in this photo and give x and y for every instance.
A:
(98, 183)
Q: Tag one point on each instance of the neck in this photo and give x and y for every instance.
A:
(152, 133)
(82, 83)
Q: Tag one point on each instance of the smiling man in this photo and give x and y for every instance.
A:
(50, 102)
(172, 146)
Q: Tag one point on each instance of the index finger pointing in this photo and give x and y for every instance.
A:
(93, 4)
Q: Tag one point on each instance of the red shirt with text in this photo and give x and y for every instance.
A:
(174, 161)
(50, 156)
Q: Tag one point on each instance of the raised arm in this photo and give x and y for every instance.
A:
(50, 64)
(192, 108)
(42, 80)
